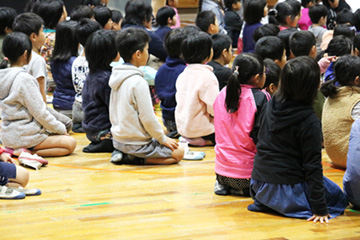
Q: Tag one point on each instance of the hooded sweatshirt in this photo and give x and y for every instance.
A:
(289, 149)
(25, 117)
(131, 112)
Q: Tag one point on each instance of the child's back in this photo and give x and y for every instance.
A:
(233, 21)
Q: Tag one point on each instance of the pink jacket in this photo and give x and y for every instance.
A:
(196, 90)
(235, 149)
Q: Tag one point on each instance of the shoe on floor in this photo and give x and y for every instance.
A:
(30, 163)
(9, 193)
(220, 189)
(194, 155)
(26, 191)
(102, 146)
(33, 157)
(116, 157)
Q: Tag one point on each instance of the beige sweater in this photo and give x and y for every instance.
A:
(336, 123)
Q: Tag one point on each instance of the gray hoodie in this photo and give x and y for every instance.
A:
(131, 112)
(25, 117)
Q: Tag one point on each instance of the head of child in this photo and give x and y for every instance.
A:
(197, 48)
(248, 68)
(318, 14)
(302, 43)
(265, 30)
(339, 46)
(284, 14)
(100, 50)
(254, 11)
(138, 12)
(103, 16)
(17, 48)
(284, 35)
(222, 47)
(345, 30)
(66, 41)
(82, 11)
(207, 22)
(272, 76)
(345, 16)
(7, 17)
(356, 45)
(133, 46)
(85, 28)
(232, 5)
(307, 3)
(347, 73)
(32, 25)
(272, 47)
(299, 81)
(51, 11)
(331, 3)
(117, 18)
(357, 19)
(173, 39)
(172, 3)
(165, 16)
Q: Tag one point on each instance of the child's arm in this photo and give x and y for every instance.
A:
(4, 157)
(42, 84)
(209, 92)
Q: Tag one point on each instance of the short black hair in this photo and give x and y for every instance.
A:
(356, 42)
(345, 30)
(28, 23)
(254, 11)
(300, 80)
(265, 30)
(228, 3)
(284, 35)
(270, 47)
(7, 17)
(316, 12)
(50, 11)
(345, 16)
(296, 6)
(173, 39)
(163, 14)
(357, 19)
(301, 42)
(15, 44)
(204, 19)
(100, 50)
(130, 40)
(116, 16)
(220, 42)
(66, 42)
(81, 11)
(197, 47)
(339, 46)
(85, 28)
(304, 3)
(273, 74)
(137, 12)
(102, 15)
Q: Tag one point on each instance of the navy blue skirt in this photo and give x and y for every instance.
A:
(7, 170)
(291, 200)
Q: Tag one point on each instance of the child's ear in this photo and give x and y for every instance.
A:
(288, 20)
(291, 55)
(7, 30)
(33, 37)
(357, 81)
(272, 88)
(169, 20)
(313, 52)
(356, 52)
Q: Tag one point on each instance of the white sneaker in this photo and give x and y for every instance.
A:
(27, 192)
(33, 157)
(9, 193)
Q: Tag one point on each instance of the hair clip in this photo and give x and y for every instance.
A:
(273, 12)
(6, 59)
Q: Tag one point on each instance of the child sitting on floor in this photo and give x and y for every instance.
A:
(138, 137)
(165, 19)
(196, 91)
(26, 120)
(207, 22)
(233, 21)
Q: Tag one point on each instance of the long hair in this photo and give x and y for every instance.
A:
(245, 67)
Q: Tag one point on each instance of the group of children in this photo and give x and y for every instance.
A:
(259, 114)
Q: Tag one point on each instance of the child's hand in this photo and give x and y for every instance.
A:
(321, 219)
(6, 158)
(171, 143)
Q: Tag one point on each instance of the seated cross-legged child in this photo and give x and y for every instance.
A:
(166, 77)
(287, 177)
(117, 19)
(207, 22)
(318, 15)
(272, 47)
(26, 120)
(138, 137)
(165, 18)
(222, 56)
(196, 91)
(233, 21)
(100, 51)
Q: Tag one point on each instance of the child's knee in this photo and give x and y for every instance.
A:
(178, 154)
(22, 176)
(71, 144)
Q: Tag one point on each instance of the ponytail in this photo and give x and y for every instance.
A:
(4, 63)
(329, 89)
(233, 92)
(245, 67)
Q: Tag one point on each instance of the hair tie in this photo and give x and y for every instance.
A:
(273, 12)
(236, 71)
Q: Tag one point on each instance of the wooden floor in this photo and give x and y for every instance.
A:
(87, 197)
